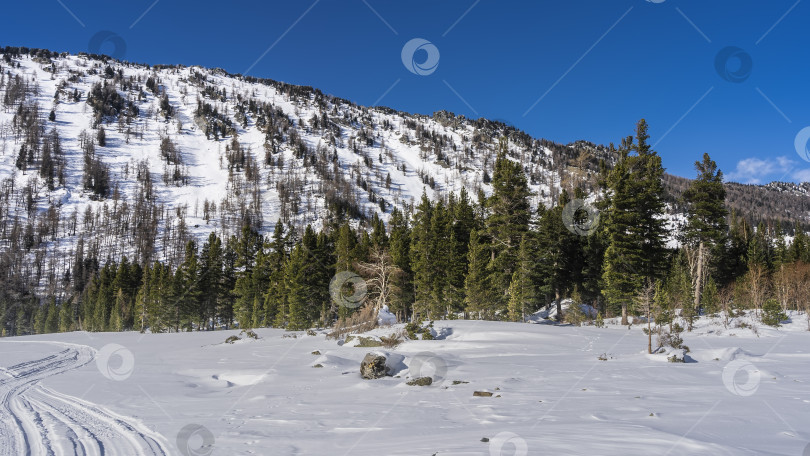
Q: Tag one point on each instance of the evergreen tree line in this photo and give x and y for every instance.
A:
(485, 257)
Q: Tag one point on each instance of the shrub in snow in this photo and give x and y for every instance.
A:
(772, 313)
(421, 381)
(393, 340)
(575, 314)
(362, 341)
(676, 356)
(232, 339)
(249, 333)
(364, 319)
(414, 330)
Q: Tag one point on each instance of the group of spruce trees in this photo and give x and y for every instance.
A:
(493, 258)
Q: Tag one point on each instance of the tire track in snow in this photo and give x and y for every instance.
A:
(36, 420)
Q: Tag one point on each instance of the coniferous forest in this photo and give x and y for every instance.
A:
(608, 227)
(459, 257)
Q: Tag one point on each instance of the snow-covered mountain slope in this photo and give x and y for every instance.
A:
(188, 150)
(223, 149)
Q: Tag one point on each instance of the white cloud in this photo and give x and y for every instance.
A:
(755, 170)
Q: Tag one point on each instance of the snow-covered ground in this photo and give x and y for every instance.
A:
(746, 392)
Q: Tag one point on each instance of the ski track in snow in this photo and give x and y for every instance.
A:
(35, 420)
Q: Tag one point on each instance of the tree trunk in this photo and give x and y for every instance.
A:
(559, 305)
(624, 313)
(699, 278)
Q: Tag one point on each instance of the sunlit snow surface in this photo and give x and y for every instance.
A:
(741, 394)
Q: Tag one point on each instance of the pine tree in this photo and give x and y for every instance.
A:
(508, 221)
(560, 258)
(116, 323)
(210, 273)
(423, 257)
(190, 296)
(66, 316)
(522, 291)
(705, 228)
(478, 294)
(52, 317)
(295, 289)
(633, 227)
(274, 308)
(400, 246)
(651, 205)
(800, 247)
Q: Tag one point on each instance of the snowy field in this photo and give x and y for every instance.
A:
(744, 392)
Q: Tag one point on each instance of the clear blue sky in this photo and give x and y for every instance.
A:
(596, 66)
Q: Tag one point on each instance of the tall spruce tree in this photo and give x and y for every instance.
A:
(634, 229)
(478, 294)
(705, 231)
(508, 220)
(400, 246)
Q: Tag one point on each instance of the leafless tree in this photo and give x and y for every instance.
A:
(381, 274)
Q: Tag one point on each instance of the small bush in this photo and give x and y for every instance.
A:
(575, 315)
(249, 333)
(421, 381)
(365, 319)
(232, 339)
(772, 313)
(367, 342)
(414, 329)
(599, 322)
(393, 340)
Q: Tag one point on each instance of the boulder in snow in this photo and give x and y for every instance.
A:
(373, 366)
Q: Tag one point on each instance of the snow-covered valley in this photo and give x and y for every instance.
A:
(556, 389)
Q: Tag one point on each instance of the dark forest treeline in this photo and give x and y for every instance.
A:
(484, 257)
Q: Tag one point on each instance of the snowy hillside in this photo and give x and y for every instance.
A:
(224, 149)
(103, 159)
(554, 390)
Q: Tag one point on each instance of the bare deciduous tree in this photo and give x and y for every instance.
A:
(380, 274)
